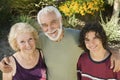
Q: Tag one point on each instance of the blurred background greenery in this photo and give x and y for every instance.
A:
(76, 13)
(0, 75)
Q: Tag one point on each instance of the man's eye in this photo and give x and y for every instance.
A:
(53, 22)
(44, 25)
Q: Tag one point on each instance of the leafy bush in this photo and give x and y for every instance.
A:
(5, 14)
(29, 7)
(27, 19)
(5, 17)
(112, 28)
(23, 7)
(75, 10)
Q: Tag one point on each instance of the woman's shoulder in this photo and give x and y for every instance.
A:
(40, 52)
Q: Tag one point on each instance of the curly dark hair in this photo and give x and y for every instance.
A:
(99, 33)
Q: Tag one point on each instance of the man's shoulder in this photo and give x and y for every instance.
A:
(71, 30)
(72, 33)
(42, 36)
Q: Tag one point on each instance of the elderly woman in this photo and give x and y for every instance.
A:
(27, 62)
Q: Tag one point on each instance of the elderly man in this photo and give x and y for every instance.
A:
(59, 45)
(61, 50)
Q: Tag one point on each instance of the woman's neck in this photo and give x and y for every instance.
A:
(28, 60)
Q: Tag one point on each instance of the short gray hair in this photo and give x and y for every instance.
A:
(46, 10)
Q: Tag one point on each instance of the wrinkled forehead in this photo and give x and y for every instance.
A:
(48, 17)
(48, 14)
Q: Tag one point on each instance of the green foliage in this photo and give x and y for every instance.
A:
(74, 21)
(4, 13)
(112, 28)
(23, 7)
(43, 3)
(29, 7)
(110, 2)
(10, 9)
(0, 75)
(5, 17)
(74, 10)
(27, 19)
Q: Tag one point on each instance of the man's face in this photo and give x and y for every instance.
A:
(51, 26)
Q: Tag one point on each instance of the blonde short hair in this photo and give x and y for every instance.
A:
(19, 28)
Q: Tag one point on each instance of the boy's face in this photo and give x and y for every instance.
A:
(92, 42)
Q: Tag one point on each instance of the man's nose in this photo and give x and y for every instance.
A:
(50, 28)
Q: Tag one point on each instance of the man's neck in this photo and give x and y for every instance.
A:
(61, 36)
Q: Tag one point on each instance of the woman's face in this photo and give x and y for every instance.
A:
(92, 42)
(26, 42)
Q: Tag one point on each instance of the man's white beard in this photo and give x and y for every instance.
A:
(54, 37)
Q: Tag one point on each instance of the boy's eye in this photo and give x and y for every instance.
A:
(86, 39)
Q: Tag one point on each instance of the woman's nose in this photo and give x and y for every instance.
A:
(28, 45)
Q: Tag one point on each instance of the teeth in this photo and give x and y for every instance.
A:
(51, 32)
(29, 49)
(93, 47)
(53, 35)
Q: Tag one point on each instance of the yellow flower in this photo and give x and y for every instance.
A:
(90, 5)
(64, 9)
(73, 7)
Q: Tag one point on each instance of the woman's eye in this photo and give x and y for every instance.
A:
(31, 39)
(22, 42)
